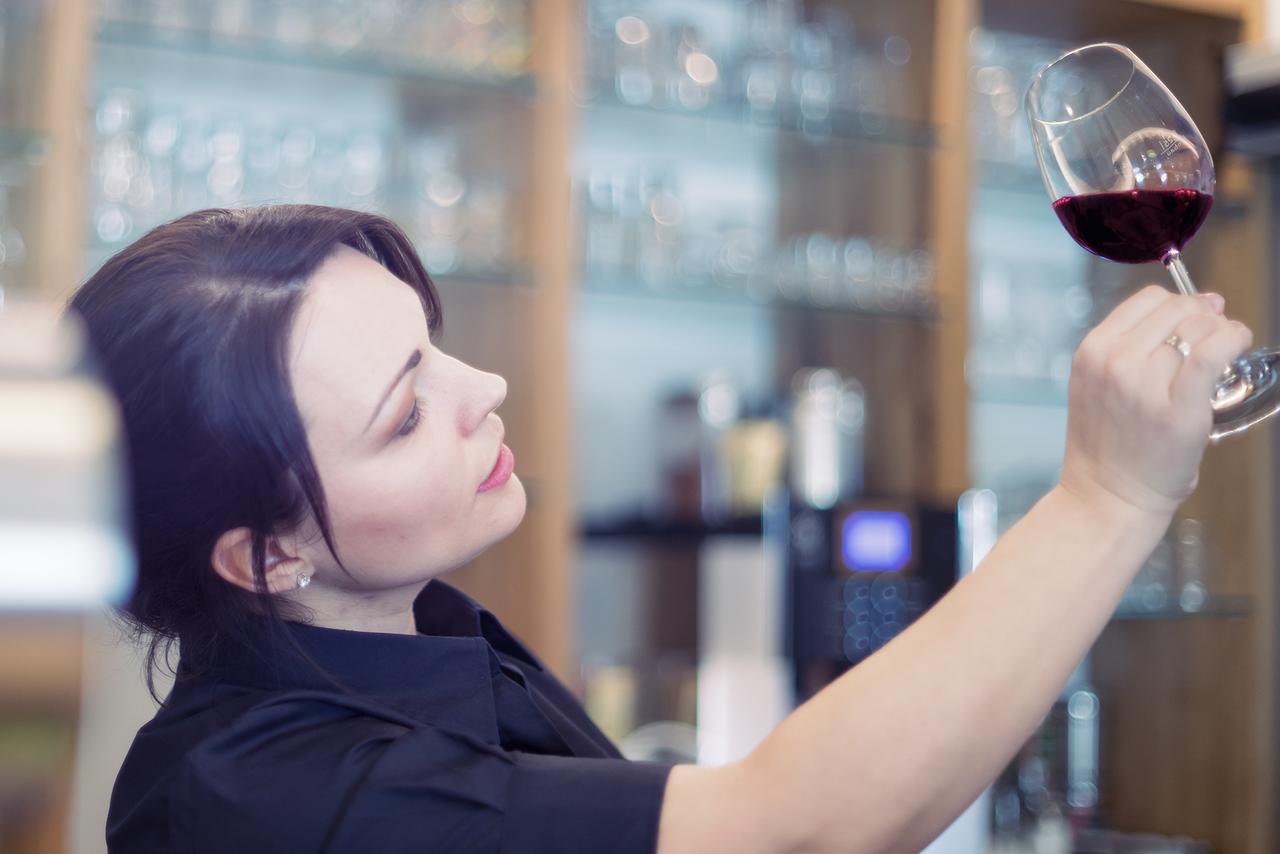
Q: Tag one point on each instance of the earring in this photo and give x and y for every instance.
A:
(303, 581)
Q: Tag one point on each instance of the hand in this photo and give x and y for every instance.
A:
(1139, 415)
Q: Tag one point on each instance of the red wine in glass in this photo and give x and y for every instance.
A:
(1132, 181)
(1134, 226)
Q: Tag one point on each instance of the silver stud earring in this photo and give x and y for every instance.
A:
(303, 581)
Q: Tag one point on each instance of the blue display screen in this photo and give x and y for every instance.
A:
(876, 541)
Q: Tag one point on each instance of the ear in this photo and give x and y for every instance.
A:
(232, 560)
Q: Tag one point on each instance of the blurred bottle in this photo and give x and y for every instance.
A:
(753, 456)
(610, 697)
(827, 424)
(1083, 736)
(680, 457)
(719, 406)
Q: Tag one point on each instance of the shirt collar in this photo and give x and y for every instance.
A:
(441, 676)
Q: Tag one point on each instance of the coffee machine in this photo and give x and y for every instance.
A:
(859, 572)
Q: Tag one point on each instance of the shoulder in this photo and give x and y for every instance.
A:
(286, 770)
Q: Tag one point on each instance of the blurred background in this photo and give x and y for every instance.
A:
(787, 320)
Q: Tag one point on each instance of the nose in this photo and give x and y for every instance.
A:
(487, 391)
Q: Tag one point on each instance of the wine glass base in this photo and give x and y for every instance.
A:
(1249, 392)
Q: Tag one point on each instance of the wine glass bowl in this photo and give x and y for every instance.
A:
(1131, 180)
(1107, 124)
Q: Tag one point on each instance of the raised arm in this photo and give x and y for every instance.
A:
(887, 755)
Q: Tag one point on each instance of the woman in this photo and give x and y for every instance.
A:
(306, 464)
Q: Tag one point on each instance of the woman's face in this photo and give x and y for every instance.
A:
(401, 484)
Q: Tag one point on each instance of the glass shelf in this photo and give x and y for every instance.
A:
(207, 45)
(735, 113)
(758, 291)
(1215, 607)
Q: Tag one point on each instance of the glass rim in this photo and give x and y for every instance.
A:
(1134, 62)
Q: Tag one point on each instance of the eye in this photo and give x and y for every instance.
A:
(411, 423)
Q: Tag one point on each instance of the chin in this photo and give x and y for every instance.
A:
(503, 517)
(513, 504)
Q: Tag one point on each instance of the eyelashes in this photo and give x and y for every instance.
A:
(415, 418)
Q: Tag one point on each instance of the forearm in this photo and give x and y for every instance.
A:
(884, 757)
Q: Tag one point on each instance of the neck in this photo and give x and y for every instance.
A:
(384, 611)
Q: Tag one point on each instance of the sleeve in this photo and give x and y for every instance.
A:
(562, 803)
(285, 779)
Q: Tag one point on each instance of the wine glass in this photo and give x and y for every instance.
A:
(1132, 181)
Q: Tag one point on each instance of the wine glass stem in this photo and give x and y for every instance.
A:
(1173, 263)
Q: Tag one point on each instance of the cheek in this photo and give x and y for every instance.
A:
(411, 508)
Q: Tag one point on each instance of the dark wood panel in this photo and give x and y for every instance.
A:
(1178, 723)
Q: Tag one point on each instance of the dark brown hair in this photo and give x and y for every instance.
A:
(189, 327)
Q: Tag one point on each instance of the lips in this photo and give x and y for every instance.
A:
(502, 470)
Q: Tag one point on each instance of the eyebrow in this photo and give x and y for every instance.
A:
(414, 359)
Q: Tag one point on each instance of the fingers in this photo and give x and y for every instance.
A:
(1118, 326)
(1167, 361)
(1162, 320)
(1195, 382)
(1128, 313)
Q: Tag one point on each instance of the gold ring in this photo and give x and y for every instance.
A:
(1183, 348)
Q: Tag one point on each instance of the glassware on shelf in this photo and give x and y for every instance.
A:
(605, 222)
(694, 76)
(661, 224)
(638, 234)
(1178, 578)
(777, 67)
(1029, 318)
(439, 193)
(764, 67)
(634, 54)
(813, 78)
(1003, 65)
(153, 162)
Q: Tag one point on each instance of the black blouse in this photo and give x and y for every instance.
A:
(453, 740)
